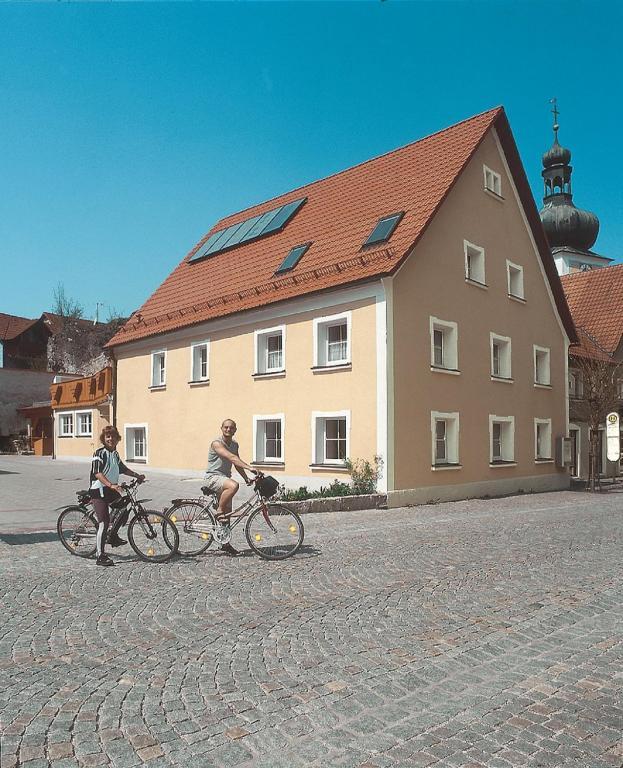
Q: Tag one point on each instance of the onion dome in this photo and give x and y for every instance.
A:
(556, 155)
(565, 224)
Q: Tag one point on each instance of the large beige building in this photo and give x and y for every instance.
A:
(408, 307)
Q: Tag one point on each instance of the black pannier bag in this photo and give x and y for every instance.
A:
(267, 486)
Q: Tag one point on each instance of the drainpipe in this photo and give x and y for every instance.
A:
(114, 388)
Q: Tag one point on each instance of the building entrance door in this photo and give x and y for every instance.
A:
(574, 434)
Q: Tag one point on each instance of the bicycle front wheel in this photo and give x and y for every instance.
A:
(77, 530)
(195, 524)
(274, 532)
(153, 537)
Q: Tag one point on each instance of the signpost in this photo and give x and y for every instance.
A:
(613, 438)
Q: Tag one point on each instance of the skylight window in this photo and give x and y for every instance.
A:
(384, 229)
(249, 229)
(292, 259)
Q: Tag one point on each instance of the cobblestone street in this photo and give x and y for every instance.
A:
(481, 633)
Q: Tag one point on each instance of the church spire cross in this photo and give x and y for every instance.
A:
(555, 112)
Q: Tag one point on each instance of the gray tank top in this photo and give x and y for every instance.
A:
(217, 465)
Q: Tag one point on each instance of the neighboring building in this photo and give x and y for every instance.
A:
(595, 299)
(23, 343)
(81, 409)
(408, 307)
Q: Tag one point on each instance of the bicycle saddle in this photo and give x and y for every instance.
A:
(207, 492)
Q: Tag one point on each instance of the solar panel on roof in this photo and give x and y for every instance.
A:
(249, 229)
(384, 229)
(292, 259)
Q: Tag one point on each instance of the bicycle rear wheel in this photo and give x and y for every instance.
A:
(195, 524)
(153, 537)
(77, 530)
(274, 532)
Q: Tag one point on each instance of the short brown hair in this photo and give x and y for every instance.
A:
(109, 430)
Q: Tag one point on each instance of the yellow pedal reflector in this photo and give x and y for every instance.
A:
(205, 536)
(258, 536)
(293, 529)
(150, 552)
(173, 519)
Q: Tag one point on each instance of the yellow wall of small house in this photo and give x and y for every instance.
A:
(182, 419)
(82, 447)
(432, 282)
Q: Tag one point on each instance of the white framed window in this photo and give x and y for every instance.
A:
(270, 350)
(268, 438)
(136, 442)
(514, 276)
(493, 181)
(200, 361)
(444, 429)
(474, 262)
(501, 439)
(159, 368)
(66, 425)
(444, 344)
(330, 437)
(541, 366)
(84, 424)
(501, 357)
(332, 340)
(542, 439)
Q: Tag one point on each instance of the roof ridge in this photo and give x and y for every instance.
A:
(356, 165)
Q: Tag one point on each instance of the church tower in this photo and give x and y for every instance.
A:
(571, 231)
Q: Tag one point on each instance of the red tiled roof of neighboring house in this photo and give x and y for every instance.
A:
(337, 217)
(595, 299)
(13, 325)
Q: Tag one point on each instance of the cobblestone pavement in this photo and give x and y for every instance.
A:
(480, 633)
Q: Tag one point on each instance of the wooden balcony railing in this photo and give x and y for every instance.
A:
(80, 392)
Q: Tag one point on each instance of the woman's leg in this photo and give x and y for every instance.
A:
(100, 507)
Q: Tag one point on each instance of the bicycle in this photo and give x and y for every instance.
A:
(152, 535)
(273, 531)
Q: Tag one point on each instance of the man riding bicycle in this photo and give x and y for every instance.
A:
(223, 454)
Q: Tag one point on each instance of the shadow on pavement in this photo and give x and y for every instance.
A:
(38, 537)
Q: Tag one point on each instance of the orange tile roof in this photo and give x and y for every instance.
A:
(338, 216)
(12, 325)
(595, 299)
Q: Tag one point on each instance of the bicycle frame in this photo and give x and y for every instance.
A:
(238, 514)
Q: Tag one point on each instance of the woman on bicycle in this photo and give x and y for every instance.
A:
(106, 467)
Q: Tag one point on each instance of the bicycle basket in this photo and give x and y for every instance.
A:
(267, 486)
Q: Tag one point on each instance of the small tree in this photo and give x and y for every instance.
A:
(600, 395)
(65, 306)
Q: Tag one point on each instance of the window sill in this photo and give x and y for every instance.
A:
(329, 466)
(544, 461)
(477, 283)
(519, 299)
(136, 461)
(333, 367)
(270, 374)
(443, 467)
(503, 379)
(538, 385)
(198, 382)
(66, 435)
(84, 436)
(157, 387)
(495, 464)
(494, 195)
(266, 463)
(439, 369)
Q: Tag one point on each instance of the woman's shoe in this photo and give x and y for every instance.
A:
(104, 560)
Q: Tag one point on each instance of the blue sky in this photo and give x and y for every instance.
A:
(127, 130)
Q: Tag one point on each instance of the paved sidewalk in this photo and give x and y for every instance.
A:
(481, 634)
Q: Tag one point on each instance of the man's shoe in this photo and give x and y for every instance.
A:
(116, 541)
(229, 550)
(104, 560)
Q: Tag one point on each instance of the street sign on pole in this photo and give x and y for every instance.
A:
(613, 437)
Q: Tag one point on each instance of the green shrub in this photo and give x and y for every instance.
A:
(364, 475)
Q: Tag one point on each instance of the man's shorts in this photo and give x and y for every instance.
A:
(216, 483)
